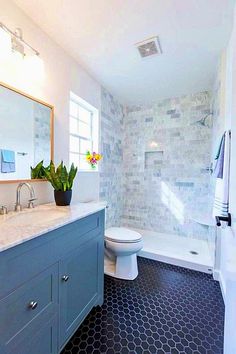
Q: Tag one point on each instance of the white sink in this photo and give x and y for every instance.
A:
(35, 217)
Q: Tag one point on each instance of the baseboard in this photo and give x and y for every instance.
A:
(217, 275)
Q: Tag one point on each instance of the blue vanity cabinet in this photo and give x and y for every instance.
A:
(49, 285)
(81, 285)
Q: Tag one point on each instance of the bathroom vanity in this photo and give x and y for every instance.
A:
(51, 275)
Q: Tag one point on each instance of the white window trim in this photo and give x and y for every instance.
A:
(94, 125)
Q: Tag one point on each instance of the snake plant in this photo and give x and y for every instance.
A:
(37, 172)
(59, 177)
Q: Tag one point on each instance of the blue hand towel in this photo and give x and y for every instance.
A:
(219, 166)
(8, 164)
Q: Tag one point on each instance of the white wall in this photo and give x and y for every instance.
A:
(62, 74)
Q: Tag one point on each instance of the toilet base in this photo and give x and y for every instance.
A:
(121, 267)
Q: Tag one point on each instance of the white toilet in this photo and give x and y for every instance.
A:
(121, 248)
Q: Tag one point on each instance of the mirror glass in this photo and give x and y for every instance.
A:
(25, 134)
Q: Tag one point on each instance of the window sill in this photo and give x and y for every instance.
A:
(88, 171)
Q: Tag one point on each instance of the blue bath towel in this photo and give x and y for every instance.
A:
(219, 165)
(8, 164)
(222, 173)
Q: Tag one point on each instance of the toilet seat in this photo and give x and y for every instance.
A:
(122, 235)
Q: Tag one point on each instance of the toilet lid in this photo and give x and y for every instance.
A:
(121, 234)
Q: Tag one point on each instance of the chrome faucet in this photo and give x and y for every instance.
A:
(3, 210)
(18, 206)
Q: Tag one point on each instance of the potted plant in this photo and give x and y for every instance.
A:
(62, 182)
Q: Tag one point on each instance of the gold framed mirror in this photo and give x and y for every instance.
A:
(26, 134)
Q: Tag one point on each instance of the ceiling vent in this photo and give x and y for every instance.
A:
(148, 47)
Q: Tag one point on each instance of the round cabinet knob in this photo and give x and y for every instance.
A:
(33, 305)
(65, 278)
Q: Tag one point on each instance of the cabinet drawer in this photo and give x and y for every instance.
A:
(28, 306)
(79, 232)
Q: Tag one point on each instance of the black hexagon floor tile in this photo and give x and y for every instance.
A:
(166, 310)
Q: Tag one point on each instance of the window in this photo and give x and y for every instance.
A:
(83, 131)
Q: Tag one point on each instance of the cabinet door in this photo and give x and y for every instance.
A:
(81, 285)
(24, 313)
(44, 341)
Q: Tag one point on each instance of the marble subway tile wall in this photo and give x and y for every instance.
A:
(42, 146)
(218, 128)
(111, 167)
(167, 150)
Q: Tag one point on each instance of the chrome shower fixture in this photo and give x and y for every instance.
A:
(203, 120)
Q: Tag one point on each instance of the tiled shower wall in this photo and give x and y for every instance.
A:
(218, 113)
(154, 174)
(217, 131)
(111, 171)
(167, 153)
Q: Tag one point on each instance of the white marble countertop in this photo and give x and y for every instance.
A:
(16, 228)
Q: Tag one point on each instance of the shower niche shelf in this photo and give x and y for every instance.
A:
(153, 158)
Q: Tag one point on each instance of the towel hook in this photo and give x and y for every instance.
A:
(228, 219)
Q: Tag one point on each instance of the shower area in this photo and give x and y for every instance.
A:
(161, 184)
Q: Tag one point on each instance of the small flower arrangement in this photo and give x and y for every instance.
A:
(93, 158)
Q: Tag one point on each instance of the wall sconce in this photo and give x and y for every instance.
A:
(14, 41)
(17, 44)
(20, 64)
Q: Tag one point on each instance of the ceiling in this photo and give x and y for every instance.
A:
(100, 35)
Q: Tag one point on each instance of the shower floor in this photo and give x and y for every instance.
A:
(177, 250)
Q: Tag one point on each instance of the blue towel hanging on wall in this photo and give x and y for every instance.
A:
(219, 159)
(8, 164)
(222, 173)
